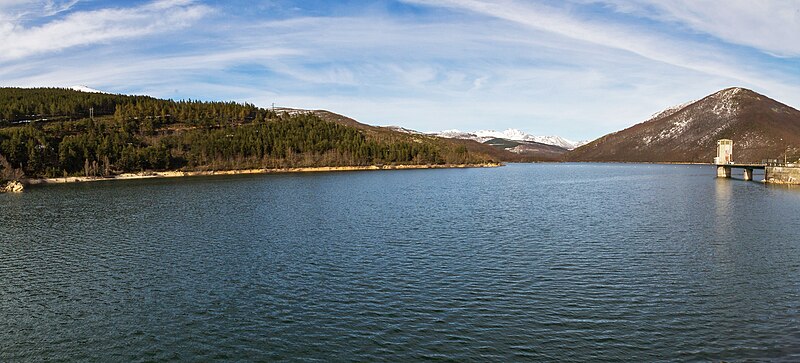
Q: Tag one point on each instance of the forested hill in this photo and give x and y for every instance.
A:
(48, 132)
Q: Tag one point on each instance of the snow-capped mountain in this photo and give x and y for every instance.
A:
(83, 88)
(669, 111)
(456, 134)
(760, 127)
(560, 141)
(510, 134)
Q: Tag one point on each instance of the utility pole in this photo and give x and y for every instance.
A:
(786, 148)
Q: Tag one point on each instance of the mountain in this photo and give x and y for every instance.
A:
(50, 132)
(524, 149)
(760, 127)
(511, 134)
(526, 146)
(559, 141)
(397, 132)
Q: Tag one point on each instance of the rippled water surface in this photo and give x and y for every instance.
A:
(567, 262)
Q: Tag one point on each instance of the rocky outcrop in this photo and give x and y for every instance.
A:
(11, 187)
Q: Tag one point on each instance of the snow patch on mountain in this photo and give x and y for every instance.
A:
(455, 134)
(83, 88)
(510, 134)
(679, 126)
(726, 104)
(560, 141)
(669, 111)
(291, 111)
(403, 130)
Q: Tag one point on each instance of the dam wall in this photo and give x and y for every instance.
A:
(789, 174)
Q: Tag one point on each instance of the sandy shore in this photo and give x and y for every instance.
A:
(176, 174)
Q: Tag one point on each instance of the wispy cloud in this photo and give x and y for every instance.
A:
(770, 26)
(92, 27)
(653, 45)
(52, 7)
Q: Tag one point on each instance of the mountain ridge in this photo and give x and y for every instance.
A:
(761, 127)
(510, 134)
(516, 151)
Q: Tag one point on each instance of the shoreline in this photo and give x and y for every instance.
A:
(179, 174)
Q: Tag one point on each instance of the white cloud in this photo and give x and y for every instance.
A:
(692, 55)
(770, 26)
(55, 7)
(92, 27)
(15, 12)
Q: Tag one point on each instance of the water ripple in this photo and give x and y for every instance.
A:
(571, 262)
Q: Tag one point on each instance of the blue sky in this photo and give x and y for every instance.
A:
(574, 68)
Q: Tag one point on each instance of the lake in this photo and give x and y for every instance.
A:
(544, 262)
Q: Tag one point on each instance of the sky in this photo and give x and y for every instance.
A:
(574, 68)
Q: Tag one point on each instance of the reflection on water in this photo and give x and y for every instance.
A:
(723, 207)
(543, 262)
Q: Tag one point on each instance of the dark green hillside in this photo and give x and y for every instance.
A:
(502, 143)
(48, 132)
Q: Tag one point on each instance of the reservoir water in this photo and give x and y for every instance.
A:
(544, 262)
